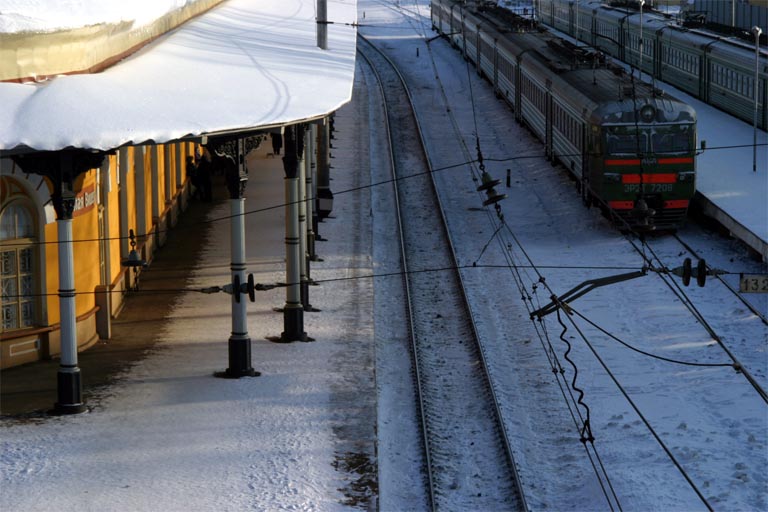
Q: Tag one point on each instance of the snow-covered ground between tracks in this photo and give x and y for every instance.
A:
(161, 440)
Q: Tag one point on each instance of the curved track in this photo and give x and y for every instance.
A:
(468, 461)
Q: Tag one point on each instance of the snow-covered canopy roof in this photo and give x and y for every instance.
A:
(44, 16)
(246, 64)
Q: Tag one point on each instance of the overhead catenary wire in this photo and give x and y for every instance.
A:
(640, 414)
(316, 280)
(644, 352)
(616, 382)
(558, 371)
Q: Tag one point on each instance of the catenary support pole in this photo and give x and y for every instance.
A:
(293, 312)
(239, 342)
(640, 43)
(756, 31)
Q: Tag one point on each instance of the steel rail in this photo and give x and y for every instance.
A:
(481, 349)
(407, 288)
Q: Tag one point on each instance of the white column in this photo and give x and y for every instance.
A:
(239, 342)
(69, 383)
(293, 312)
(67, 294)
(237, 266)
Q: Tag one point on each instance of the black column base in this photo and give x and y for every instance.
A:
(293, 323)
(304, 287)
(305, 297)
(239, 360)
(311, 254)
(69, 393)
(315, 226)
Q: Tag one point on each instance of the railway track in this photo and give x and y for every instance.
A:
(468, 461)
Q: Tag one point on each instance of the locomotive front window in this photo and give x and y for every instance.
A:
(626, 140)
(674, 139)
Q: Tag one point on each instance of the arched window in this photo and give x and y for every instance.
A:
(17, 266)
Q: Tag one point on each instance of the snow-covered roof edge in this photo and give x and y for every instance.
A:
(30, 56)
(240, 67)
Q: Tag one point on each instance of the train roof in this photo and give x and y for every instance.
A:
(656, 22)
(586, 78)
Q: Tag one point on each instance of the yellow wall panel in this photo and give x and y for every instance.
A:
(52, 273)
(131, 189)
(113, 229)
(160, 177)
(85, 232)
(148, 191)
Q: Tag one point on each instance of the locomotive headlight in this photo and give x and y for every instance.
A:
(612, 177)
(685, 177)
(647, 113)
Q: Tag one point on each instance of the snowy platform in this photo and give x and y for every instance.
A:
(168, 435)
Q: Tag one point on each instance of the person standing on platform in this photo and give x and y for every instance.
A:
(277, 143)
(193, 172)
(204, 172)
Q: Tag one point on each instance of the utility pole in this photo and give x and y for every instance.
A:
(756, 31)
(640, 67)
(322, 24)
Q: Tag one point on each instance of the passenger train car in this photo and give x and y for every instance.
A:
(717, 70)
(629, 147)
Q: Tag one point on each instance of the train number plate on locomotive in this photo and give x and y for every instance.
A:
(650, 187)
(753, 283)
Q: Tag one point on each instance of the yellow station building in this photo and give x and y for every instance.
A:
(141, 185)
(142, 189)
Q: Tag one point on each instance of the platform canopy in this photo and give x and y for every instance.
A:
(243, 65)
